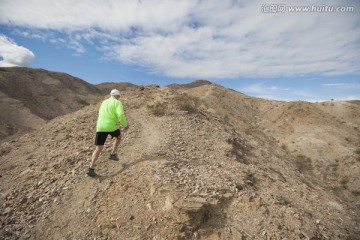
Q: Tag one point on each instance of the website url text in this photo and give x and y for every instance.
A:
(282, 8)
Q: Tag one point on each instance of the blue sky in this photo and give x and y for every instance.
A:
(260, 48)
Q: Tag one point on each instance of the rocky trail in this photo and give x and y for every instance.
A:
(195, 164)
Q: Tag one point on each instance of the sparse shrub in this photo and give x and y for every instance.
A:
(158, 109)
(187, 103)
(95, 98)
(356, 193)
(249, 131)
(4, 150)
(284, 147)
(280, 200)
(303, 164)
(250, 180)
(352, 237)
(357, 155)
(357, 151)
(333, 167)
(239, 149)
(345, 180)
(226, 118)
(134, 104)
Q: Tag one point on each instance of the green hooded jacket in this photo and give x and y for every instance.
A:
(111, 113)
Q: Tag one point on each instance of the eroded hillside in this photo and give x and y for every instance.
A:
(200, 163)
(29, 97)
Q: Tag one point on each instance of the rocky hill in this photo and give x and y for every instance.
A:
(106, 87)
(197, 163)
(194, 84)
(30, 97)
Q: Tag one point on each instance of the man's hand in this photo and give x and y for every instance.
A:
(126, 128)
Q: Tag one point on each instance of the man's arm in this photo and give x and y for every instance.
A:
(121, 115)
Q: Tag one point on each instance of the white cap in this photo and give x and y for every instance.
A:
(115, 92)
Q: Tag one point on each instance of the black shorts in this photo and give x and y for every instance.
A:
(101, 136)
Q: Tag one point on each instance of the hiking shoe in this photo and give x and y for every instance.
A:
(91, 172)
(114, 157)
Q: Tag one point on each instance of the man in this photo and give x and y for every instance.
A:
(111, 115)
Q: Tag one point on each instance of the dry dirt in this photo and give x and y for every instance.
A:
(198, 163)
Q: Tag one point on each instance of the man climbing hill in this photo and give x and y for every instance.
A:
(111, 116)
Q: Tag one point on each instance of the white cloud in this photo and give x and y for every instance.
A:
(202, 39)
(12, 54)
(257, 88)
(349, 98)
(275, 90)
(342, 85)
(263, 88)
(110, 15)
(272, 92)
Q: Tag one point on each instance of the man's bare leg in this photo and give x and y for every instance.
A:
(95, 155)
(116, 145)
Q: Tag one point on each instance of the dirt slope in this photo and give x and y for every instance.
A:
(201, 163)
(326, 134)
(29, 97)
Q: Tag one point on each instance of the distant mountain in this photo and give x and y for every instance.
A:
(29, 97)
(194, 84)
(106, 87)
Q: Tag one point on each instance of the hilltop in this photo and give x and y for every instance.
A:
(197, 163)
(106, 87)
